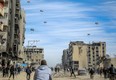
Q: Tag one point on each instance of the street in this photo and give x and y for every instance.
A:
(58, 76)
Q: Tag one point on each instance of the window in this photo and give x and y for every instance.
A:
(5, 15)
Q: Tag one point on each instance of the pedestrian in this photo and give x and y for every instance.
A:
(105, 72)
(72, 72)
(12, 71)
(91, 72)
(43, 72)
(112, 72)
(56, 70)
(7, 71)
(3, 71)
(19, 69)
(28, 71)
(101, 71)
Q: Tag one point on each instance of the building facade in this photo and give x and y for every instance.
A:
(82, 55)
(65, 60)
(22, 35)
(96, 51)
(33, 54)
(78, 56)
(10, 29)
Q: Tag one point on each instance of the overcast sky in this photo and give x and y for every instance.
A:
(63, 21)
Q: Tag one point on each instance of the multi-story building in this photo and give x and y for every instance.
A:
(82, 55)
(33, 54)
(4, 28)
(11, 20)
(65, 60)
(22, 35)
(96, 51)
(78, 56)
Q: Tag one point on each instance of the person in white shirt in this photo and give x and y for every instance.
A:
(43, 72)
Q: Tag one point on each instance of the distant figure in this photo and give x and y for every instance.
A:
(105, 72)
(3, 71)
(91, 72)
(101, 71)
(56, 70)
(112, 72)
(19, 69)
(28, 71)
(7, 71)
(72, 72)
(43, 72)
(12, 71)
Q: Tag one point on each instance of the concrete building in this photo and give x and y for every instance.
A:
(22, 35)
(96, 51)
(78, 54)
(4, 28)
(10, 29)
(82, 55)
(65, 60)
(33, 54)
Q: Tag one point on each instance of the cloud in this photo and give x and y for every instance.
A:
(69, 22)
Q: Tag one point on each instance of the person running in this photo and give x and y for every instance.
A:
(12, 71)
(28, 71)
(43, 72)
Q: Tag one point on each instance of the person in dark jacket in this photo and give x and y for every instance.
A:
(72, 72)
(105, 72)
(112, 72)
(91, 72)
(12, 71)
(7, 71)
(28, 71)
(3, 71)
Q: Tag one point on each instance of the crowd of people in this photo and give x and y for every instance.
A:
(43, 72)
(105, 72)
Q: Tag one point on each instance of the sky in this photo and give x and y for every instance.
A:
(63, 21)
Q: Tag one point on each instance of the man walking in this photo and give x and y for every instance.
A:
(28, 71)
(12, 71)
(91, 72)
(43, 72)
(112, 72)
(72, 72)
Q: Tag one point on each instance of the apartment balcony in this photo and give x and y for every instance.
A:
(4, 21)
(6, 10)
(3, 41)
(16, 41)
(1, 27)
(18, 1)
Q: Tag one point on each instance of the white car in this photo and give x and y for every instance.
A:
(82, 72)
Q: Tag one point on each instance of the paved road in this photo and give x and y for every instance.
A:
(59, 76)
